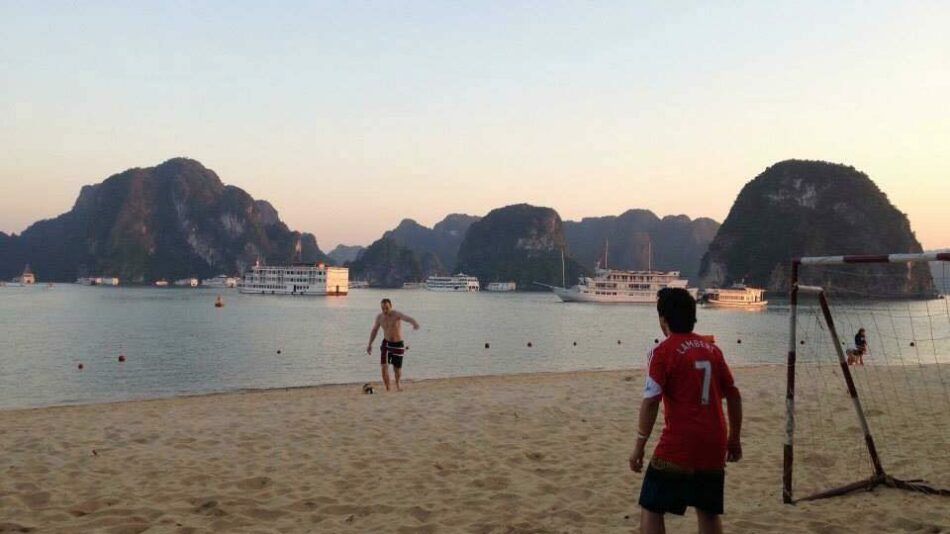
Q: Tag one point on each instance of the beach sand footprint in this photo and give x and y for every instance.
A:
(255, 483)
(420, 514)
(264, 514)
(819, 460)
(39, 499)
(209, 507)
(492, 483)
(91, 506)
(422, 529)
(14, 528)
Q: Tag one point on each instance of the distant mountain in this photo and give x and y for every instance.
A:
(455, 225)
(12, 259)
(385, 263)
(343, 254)
(442, 240)
(677, 242)
(814, 208)
(520, 243)
(170, 221)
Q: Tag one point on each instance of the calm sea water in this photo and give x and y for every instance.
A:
(176, 342)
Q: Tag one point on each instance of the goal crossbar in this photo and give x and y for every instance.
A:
(872, 258)
(880, 477)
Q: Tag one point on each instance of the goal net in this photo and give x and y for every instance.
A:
(868, 382)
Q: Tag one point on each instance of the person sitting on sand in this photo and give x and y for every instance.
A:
(392, 348)
(860, 347)
(691, 376)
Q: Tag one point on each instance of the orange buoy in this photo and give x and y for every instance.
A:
(219, 302)
(80, 366)
(121, 358)
(529, 344)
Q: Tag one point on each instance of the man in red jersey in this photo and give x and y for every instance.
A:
(688, 466)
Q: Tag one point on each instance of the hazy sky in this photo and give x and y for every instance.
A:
(349, 116)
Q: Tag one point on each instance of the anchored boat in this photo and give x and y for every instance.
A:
(738, 296)
(297, 279)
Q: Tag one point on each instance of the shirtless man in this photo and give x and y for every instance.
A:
(392, 347)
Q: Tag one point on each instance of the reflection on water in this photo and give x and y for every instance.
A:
(177, 342)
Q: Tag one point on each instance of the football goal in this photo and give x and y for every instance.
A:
(868, 376)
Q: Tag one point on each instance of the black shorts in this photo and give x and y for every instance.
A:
(672, 490)
(390, 352)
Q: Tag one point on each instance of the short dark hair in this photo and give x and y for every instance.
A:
(386, 301)
(678, 307)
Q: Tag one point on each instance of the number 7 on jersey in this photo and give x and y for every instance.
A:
(706, 368)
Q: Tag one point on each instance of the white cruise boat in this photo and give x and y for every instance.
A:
(736, 297)
(616, 286)
(187, 282)
(460, 283)
(359, 284)
(413, 285)
(220, 281)
(299, 279)
(501, 286)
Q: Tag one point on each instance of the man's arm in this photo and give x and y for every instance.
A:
(649, 409)
(372, 336)
(410, 320)
(734, 407)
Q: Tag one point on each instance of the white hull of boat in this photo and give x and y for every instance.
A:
(292, 290)
(738, 305)
(574, 295)
(460, 289)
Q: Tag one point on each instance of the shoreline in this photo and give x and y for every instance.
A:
(341, 385)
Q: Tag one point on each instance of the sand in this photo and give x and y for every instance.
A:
(526, 453)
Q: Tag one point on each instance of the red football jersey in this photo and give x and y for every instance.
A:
(692, 376)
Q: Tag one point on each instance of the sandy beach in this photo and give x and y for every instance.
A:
(524, 453)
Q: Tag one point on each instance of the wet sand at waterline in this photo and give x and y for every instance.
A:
(519, 453)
